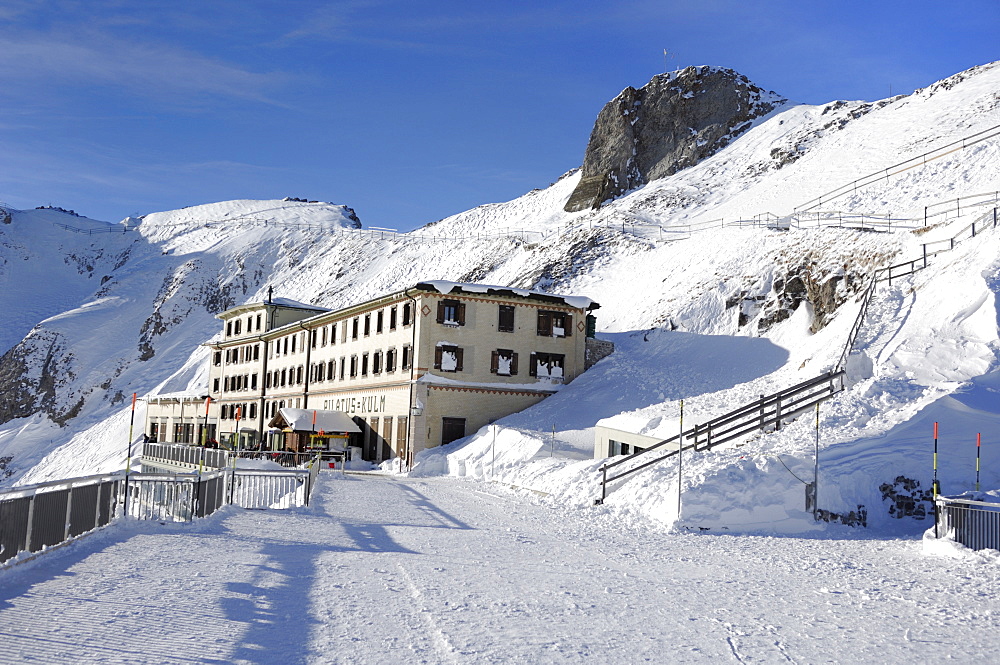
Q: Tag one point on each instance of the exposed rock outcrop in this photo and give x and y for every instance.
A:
(671, 123)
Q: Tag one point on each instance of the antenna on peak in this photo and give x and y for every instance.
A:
(667, 54)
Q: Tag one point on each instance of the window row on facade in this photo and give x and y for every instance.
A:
(503, 362)
(548, 323)
(447, 358)
(247, 411)
(254, 323)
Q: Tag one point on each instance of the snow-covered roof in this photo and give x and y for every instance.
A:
(301, 420)
(446, 287)
(287, 303)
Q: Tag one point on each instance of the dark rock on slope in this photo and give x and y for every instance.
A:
(671, 123)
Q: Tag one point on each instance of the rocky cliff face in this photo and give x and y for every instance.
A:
(671, 123)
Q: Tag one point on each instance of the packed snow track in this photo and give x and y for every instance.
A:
(386, 570)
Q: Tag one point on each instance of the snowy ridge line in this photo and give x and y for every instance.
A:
(901, 167)
(663, 233)
(907, 268)
(755, 416)
(371, 233)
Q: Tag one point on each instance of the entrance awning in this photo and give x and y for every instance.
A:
(313, 420)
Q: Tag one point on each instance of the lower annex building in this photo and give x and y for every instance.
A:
(414, 369)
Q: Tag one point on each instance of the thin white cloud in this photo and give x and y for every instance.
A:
(38, 61)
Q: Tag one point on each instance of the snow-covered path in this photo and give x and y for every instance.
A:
(383, 570)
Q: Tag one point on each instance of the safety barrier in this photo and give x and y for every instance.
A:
(768, 411)
(899, 270)
(288, 488)
(896, 169)
(186, 455)
(35, 517)
(975, 524)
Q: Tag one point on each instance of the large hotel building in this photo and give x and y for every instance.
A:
(414, 369)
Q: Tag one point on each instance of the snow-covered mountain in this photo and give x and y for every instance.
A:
(714, 317)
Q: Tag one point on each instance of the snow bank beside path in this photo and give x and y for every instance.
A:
(932, 349)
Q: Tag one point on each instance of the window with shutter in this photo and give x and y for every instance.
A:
(448, 358)
(547, 365)
(506, 322)
(544, 323)
(451, 312)
(504, 362)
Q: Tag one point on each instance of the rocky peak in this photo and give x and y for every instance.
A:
(671, 123)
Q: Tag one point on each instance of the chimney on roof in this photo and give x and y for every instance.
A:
(269, 291)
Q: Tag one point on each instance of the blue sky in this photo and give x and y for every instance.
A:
(406, 111)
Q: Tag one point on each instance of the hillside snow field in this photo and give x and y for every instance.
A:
(715, 317)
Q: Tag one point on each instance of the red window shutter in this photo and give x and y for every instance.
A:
(437, 355)
(569, 325)
(513, 364)
(494, 362)
(458, 359)
(440, 318)
(461, 313)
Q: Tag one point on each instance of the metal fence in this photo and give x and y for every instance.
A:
(251, 488)
(770, 411)
(175, 497)
(193, 456)
(975, 524)
(39, 516)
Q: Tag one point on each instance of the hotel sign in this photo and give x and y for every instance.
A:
(363, 404)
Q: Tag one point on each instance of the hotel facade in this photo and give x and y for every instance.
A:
(415, 368)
